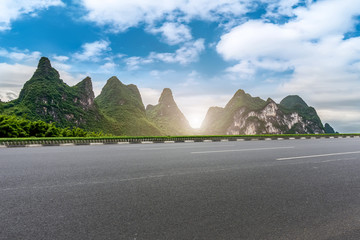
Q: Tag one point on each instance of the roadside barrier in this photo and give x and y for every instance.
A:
(37, 142)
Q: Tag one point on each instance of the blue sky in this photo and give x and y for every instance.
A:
(203, 50)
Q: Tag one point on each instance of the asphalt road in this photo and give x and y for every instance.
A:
(289, 189)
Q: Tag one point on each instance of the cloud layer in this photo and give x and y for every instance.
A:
(268, 47)
(123, 14)
(11, 10)
(325, 63)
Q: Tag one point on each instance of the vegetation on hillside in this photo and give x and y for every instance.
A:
(47, 98)
(293, 102)
(12, 126)
(123, 105)
(328, 128)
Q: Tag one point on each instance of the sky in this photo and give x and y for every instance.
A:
(204, 50)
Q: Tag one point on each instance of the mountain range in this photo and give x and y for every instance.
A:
(119, 110)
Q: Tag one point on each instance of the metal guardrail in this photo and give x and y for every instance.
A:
(134, 140)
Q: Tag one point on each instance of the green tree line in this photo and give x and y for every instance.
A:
(12, 126)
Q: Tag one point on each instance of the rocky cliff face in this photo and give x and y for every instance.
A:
(218, 120)
(270, 120)
(85, 94)
(247, 115)
(167, 116)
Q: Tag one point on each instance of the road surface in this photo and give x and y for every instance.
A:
(279, 189)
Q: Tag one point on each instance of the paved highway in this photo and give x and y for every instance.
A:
(288, 189)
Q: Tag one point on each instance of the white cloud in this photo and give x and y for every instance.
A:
(11, 10)
(347, 115)
(7, 95)
(244, 69)
(93, 51)
(192, 79)
(186, 54)
(150, 95)
(20, 55)
(108, 67)
(133, 63)
(160, 74)
(123, 14)
(16, 74)
(60, 66)
(173, 33)
(325, 65)
(282, 7)
(71, 79)
(349, 121)
(60, 58)
(12, 78)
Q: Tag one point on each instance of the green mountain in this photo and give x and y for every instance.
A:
(167, 116)
(123, 105)
(245, 114)
(328, 128)
(46, 97)
(293, 102)
(119, 110)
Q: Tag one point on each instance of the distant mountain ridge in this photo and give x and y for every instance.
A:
(119, 110)
(249, 115)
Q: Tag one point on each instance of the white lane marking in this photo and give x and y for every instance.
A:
(189, 141)
(318, 155)
(199, 146)
(336, 160)
(147, 142)
(96, 143)
(241, 150)
(169, 141)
